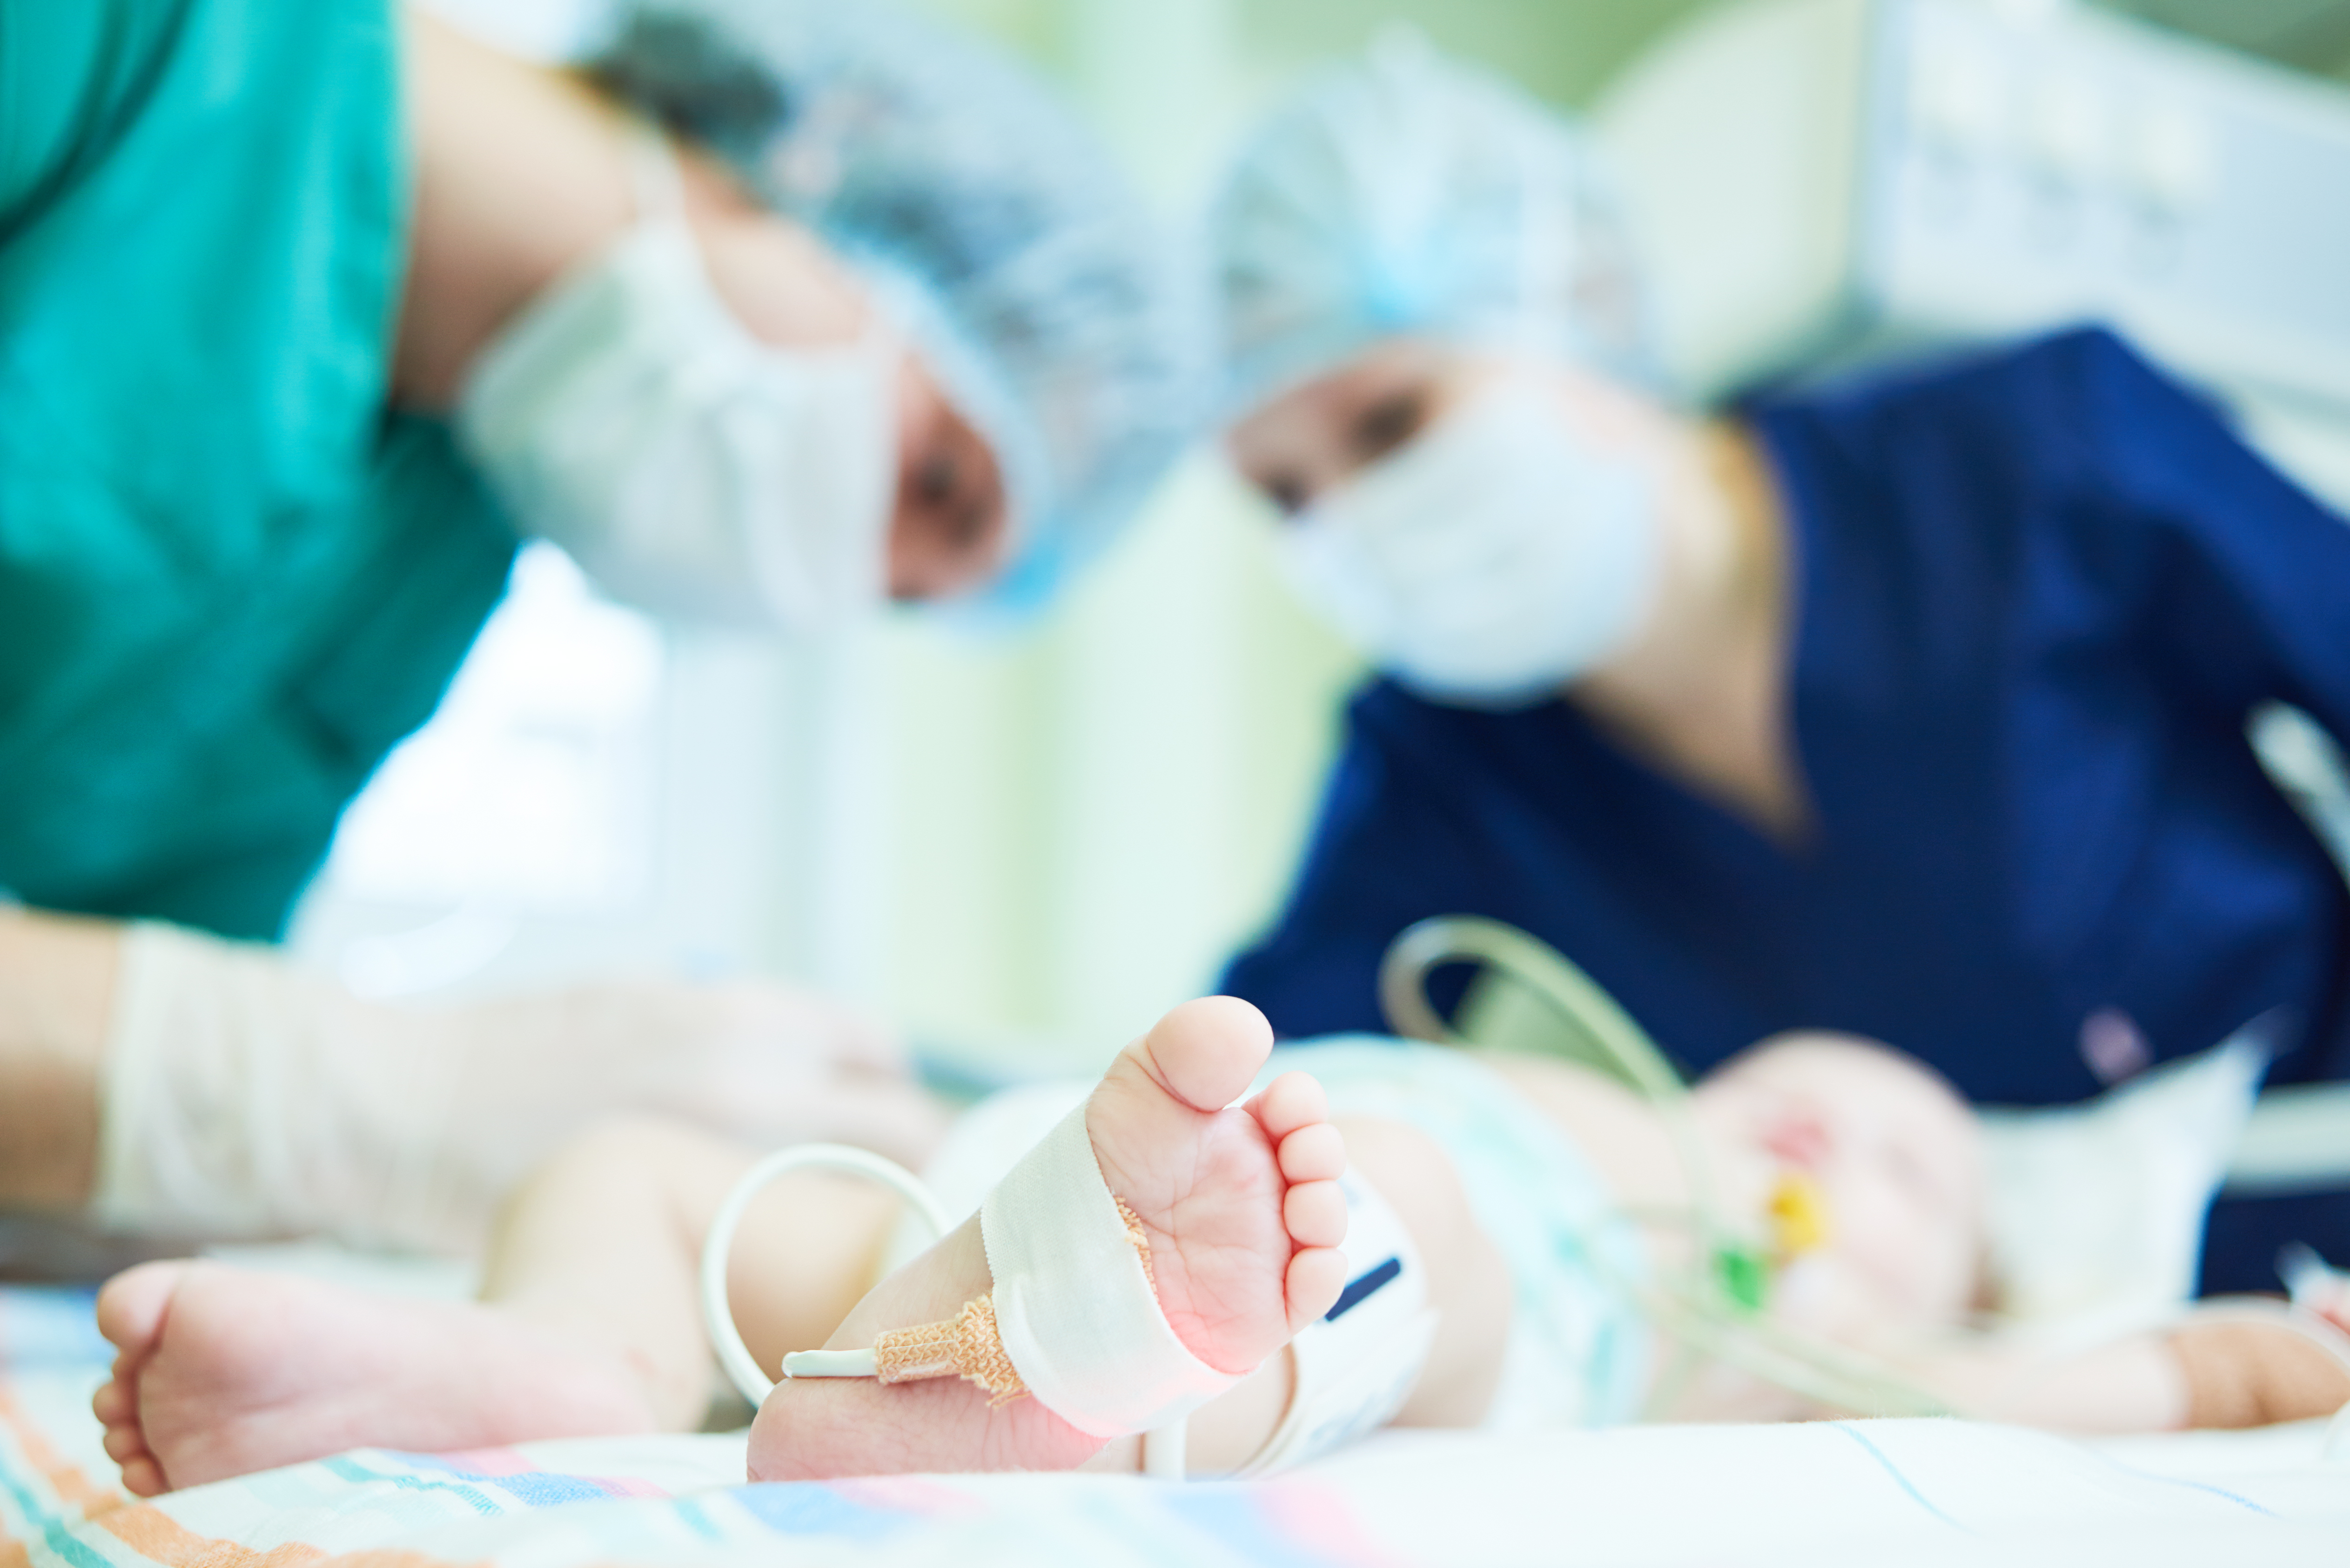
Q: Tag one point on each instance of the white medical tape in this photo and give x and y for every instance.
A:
(1355, 1366)
(1077, 1314)
(244, 1098)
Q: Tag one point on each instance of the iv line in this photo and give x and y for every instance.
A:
(1698, 1311)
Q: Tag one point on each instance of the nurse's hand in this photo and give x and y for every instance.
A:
(242, 1096)
(759, 1061)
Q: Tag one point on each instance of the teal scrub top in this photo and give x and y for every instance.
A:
(231, 579)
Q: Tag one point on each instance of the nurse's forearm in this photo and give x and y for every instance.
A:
(57, 990)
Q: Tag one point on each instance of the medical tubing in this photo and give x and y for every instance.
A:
(1606, 1038)
(1164, 1452)
(717, 1313)
(1612, 1042)
(1827, 1375)
(1627, 1052)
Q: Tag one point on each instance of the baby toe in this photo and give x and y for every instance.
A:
(132, 1305)
(113, 1404)
(1289, 1104)
(1315, 1153)
(142, 1476)
(1314, 1214)
(124, 1444)
(1316, 1276)
(1205, 1052)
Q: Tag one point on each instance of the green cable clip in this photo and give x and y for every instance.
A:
(1744, 1275)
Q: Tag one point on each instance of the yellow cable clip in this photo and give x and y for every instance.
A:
(1799, 1214)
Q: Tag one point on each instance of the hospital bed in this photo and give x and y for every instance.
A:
(1873, 1493)
(1911, 1492)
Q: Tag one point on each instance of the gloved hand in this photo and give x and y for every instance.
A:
(244, 1097)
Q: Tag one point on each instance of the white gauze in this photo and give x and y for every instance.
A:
(1077, 1314)
(243, 1098)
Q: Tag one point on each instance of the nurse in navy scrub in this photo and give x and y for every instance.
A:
(1915, 706)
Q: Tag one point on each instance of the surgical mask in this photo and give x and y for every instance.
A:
(1496, 557)
(688, 467)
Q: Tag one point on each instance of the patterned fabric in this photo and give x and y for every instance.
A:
(1579, 1354)
(1912, 1492)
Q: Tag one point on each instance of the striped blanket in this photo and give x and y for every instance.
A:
(1907, 1493)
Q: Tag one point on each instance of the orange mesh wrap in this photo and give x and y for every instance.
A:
(1136, 1234)
(969, 1346)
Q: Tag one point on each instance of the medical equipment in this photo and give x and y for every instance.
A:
(1821, 183)
(1163, 1446)
(734, 1357)
(1073, 1317)
(1715, 1307)
(1076, 1316)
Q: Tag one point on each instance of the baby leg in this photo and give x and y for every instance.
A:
(1239, 1209)
(589, 1323)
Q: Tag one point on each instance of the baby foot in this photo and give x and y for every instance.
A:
(221, 1372)
(1243, 1213)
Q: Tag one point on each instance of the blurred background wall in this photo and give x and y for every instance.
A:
(1021, 850)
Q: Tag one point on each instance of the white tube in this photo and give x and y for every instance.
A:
(717, 1313)
(1163, 1450)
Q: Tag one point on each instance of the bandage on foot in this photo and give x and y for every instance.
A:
(971, 1346)
(1354, 1366)
(1073, 1317)
(1239, 1205)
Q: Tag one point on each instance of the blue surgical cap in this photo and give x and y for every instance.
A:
(1408, 194)
(1058, 317)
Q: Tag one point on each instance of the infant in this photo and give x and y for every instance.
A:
(1577, 1255)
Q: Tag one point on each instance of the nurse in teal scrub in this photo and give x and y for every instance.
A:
(770, 312)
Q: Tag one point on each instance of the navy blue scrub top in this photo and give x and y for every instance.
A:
(2039, 594)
